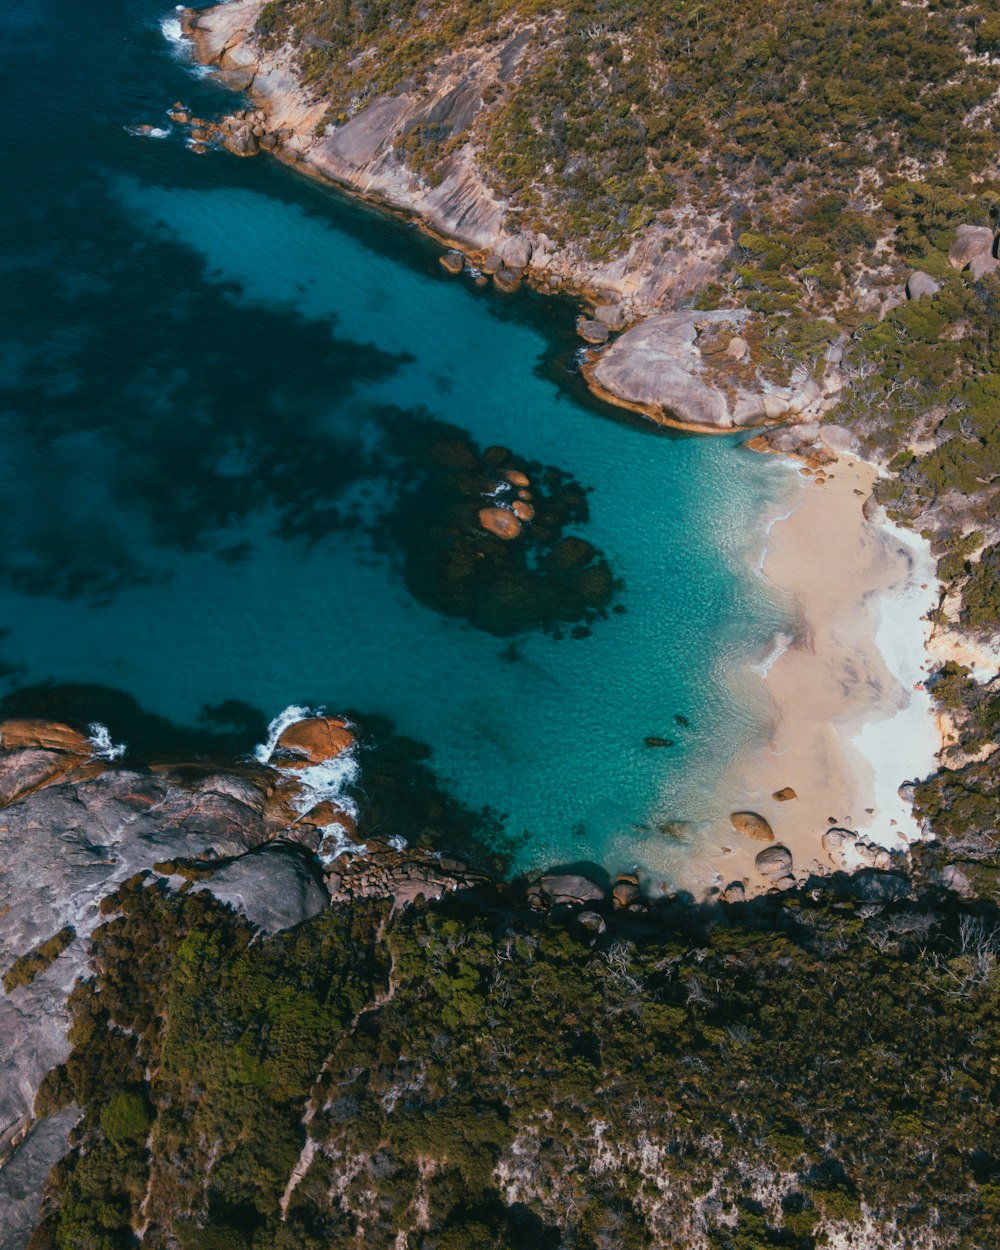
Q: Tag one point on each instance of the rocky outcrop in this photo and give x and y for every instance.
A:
(22, 1178)
(399, 873)
(658, 367)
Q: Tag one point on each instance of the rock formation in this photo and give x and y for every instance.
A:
(751, 825)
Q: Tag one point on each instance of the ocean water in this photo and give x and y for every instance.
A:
(210, 371)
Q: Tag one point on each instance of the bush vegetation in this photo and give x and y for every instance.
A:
(474, 1076)
(24, 969)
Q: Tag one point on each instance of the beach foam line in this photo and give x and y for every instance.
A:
(904, 745)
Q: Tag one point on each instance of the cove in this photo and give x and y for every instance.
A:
(208, 369)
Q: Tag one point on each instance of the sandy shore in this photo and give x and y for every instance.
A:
(848, 727)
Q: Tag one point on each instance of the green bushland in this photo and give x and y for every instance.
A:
(478, 1076)
(616, 113)
(26, 967)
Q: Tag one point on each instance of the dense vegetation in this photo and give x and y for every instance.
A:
(618, 111)
(25, 968)
(482, 1077)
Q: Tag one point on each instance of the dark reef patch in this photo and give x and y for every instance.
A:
(456, 558)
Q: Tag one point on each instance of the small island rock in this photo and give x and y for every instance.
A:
(500, 522)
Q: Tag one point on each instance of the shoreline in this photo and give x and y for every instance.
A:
(845, 772)
(847, 728)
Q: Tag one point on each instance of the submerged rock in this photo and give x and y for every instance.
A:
(752, 825)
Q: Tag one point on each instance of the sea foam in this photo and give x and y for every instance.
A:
(100, 740)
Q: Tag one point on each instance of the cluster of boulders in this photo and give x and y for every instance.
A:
(506, 265)
(403, 874)
(244, 133)
(849, 851)
(506, 515)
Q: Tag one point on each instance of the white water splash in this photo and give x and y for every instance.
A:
(398, 842)
(779, 645)
(336, 841)
(100, 740)
(290, 716)
(149, 132)
(326, 782)
(170, 28)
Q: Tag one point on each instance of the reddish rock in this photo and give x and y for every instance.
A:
(454, 262)
(523, 511)
(500, 522)
(517, 478)
(784, 795)
(43, 734)
(314, 740)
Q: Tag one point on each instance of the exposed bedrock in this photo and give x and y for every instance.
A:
(75, 824)
(366, 152)
(668, 368)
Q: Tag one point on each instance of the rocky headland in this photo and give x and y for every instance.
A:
(707, 370)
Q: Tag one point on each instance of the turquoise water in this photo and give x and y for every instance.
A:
(204, 363)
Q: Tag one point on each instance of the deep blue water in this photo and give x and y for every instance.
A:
(219, 379)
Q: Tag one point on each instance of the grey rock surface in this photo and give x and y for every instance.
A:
(24, 1174)
(571, 888)
(919, 284)
(775, 862)
(275, 887)
(971, 241)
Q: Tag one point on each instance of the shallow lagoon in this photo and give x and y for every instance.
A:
(204, 361)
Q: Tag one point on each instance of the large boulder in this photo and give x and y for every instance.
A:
(612, 315)
(919, 284)
(515, 252)
(570, 887)
(980, 266)
(592, 331)
(274, 887)
(752, 825)
(500, 521)
(313, 740)
(775, 862)
(972, 241)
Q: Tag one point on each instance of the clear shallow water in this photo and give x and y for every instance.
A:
(198, 356)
